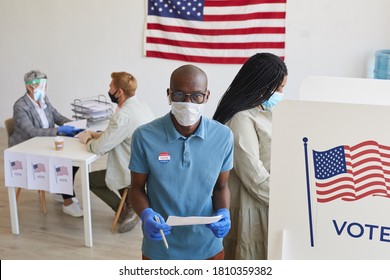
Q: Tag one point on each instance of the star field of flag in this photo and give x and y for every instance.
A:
(329, 163)
(185, 9)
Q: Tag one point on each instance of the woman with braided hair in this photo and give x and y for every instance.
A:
(246, 107)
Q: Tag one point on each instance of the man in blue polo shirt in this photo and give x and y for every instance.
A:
(180, 166)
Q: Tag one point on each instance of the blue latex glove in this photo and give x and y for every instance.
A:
(68, 130)
(151, 227)
(222, 227)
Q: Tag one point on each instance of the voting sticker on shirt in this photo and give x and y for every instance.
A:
(164, 157)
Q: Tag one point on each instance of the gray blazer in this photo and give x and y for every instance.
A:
(28, 124)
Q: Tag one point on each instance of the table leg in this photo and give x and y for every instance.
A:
(86, 204)
(13, 210)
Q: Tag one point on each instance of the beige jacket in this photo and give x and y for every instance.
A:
(249, 185)
(116, 141)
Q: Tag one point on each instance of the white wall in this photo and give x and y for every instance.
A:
(79, 43)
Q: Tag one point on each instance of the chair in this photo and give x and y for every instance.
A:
(118, 212)
(9, 125)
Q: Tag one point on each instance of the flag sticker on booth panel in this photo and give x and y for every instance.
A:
(214, 31)
(62, 171)
(39, 167)
(16, 165)
(351, 173)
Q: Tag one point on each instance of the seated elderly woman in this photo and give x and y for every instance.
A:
(34, 115)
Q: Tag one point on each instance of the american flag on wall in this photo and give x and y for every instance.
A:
(214, 31)
(352, 172)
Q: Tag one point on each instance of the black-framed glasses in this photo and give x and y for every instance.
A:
(195, 97)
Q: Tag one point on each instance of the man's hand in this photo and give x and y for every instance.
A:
(152, 227)
(96, 134)
(222, 227)
(85, 136)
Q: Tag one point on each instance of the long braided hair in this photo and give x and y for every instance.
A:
(257, 80)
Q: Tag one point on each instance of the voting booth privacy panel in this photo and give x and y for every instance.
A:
(330, 182)
(329, 196)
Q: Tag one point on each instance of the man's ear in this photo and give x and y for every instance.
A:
(169, 99)
(207, 96)
(120, 93)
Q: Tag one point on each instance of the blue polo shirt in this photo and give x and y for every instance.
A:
(182, 173)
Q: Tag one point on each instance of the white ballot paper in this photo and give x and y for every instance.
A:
(192, 220)
(79, 124)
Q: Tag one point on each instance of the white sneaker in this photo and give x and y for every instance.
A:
(73, 209)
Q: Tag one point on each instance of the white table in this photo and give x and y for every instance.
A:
(80, 157)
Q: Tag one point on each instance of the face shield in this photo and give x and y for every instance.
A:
(39, 86)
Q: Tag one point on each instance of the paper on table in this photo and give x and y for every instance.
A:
(79, 124)
(192, 220)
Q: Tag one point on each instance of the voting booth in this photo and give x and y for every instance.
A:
(330, 172)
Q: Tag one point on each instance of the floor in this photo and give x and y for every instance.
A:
(58, 236)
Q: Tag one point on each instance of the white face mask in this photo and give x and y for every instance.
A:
(187, 113)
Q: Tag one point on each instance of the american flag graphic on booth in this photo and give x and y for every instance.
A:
(352, 172)
(61, 171)
(214, 31)
(16, 165)
(39, 167)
